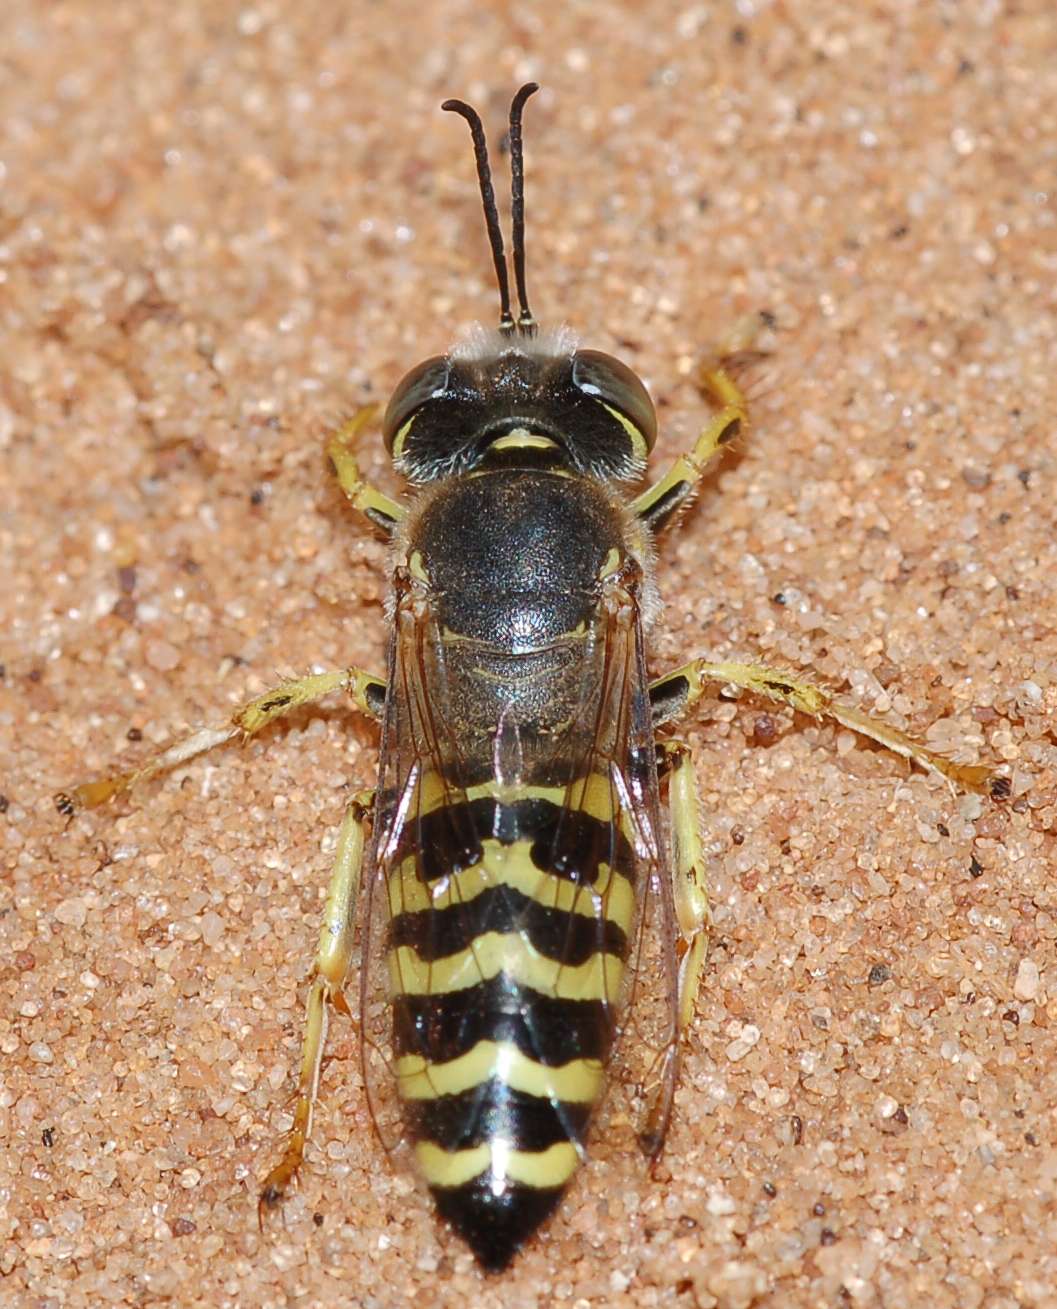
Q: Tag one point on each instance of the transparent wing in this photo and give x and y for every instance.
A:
(566, 729)
(420, 811)
(643, 1068)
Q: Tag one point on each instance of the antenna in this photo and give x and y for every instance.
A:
(525, 322)
(491, 214)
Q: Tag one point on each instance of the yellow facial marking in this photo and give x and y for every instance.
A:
(401, 438)
(522, 439)
(639, 448)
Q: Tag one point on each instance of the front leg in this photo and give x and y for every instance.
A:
(366, 690)
(660, 503)
(674, 693)
(382, 512)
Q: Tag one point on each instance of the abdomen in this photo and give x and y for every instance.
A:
(506, 963)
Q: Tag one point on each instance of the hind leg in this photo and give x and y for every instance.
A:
(331, 968)
(692, 917)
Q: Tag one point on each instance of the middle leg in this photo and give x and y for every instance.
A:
(366, 690)
(674, 693)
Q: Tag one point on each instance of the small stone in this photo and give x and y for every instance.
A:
(886, 1106)
(737, 1284)
(1026, 987)
(212, 927)
(740, 1047)
(69, 1220)
(161, 656)
(72, 912)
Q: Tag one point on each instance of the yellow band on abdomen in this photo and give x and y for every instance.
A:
(578, 1081)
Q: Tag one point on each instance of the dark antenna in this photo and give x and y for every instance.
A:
(491, 214)
(525, 322)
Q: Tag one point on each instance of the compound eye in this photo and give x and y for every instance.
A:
(426, 381)
(615, 386)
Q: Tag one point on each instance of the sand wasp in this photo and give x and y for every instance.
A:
(537, 929)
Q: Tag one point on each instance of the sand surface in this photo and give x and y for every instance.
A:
(224, 226)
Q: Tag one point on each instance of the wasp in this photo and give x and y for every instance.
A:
(526, 908)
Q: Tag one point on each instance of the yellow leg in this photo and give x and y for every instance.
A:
(378, 508)
(677, 691)
(688, 873)
(332, 966)
(659, 503)
(366, 690)
(693, 919)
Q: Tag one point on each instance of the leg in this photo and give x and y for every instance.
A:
(675, 763)
(688, 872)
(659, 503)
(332, 965)
(367, 691)
(673, 694)
(382, 512)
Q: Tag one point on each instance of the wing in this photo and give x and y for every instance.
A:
(484, 752)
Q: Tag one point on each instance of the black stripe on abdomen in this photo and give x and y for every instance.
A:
(550, 1031)
(558, 934)
(493, 1110)
(565, 841)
